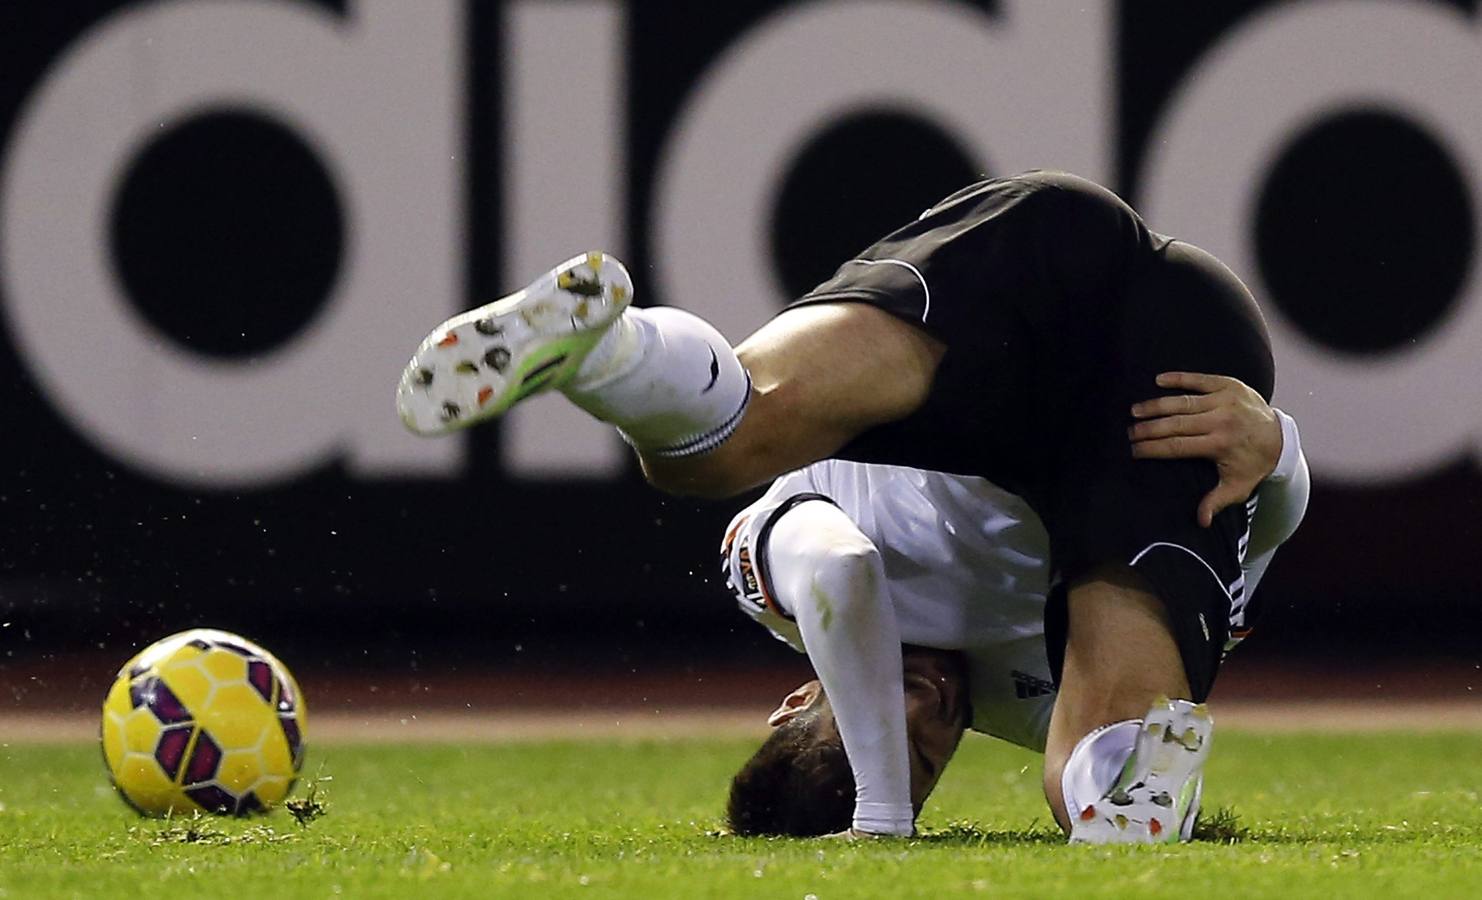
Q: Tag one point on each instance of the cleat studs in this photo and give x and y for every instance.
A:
(450, 411)
(577, 284)
(1155, 827)
(619, 293)
(1088, 813)
(467, 367)
(1162, 799)
(487, 327)
(1120, 821)
(448, 340)
(422, 377)
(594, 259)
(534, 313)
(497, 359)
(484, 394)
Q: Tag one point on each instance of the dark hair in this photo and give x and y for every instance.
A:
(798, 783)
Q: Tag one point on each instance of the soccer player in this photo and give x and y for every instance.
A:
(1004, 334)
(845, 561)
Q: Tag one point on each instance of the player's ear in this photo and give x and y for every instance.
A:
(794, 703)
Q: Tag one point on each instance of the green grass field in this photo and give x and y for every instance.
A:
(1319, 815)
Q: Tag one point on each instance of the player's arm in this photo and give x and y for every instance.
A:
(1281, 501)
(828, 575)
(1221, 419)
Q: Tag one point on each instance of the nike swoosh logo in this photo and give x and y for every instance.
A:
(714, 371)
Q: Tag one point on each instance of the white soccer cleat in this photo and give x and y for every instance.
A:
(480, 363)
(1156, 799)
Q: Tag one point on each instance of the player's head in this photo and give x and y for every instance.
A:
(799, 782)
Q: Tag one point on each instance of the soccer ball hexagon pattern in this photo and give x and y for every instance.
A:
(203, 720)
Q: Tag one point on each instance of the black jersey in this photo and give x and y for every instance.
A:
(1058, 307)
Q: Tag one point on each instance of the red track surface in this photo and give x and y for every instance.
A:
(77, 684)
(58, 699)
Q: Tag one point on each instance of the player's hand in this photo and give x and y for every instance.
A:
(1221, 420)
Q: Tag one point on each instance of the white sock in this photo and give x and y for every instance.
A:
(1096, 763)
(667, 379)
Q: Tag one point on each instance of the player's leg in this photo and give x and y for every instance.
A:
(705, 419)
(820, 375)
(1152, 592)
(1121, 660)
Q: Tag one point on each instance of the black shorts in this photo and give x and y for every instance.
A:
(1186, 312)
(1058, 308)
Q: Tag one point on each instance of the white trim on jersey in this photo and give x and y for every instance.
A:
(914, 271)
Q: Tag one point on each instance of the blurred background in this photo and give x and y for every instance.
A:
(224, 224)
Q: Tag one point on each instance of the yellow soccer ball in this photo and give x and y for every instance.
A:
(203, 720)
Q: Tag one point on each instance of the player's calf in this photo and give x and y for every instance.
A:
(1119, 655)
(669, 381)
